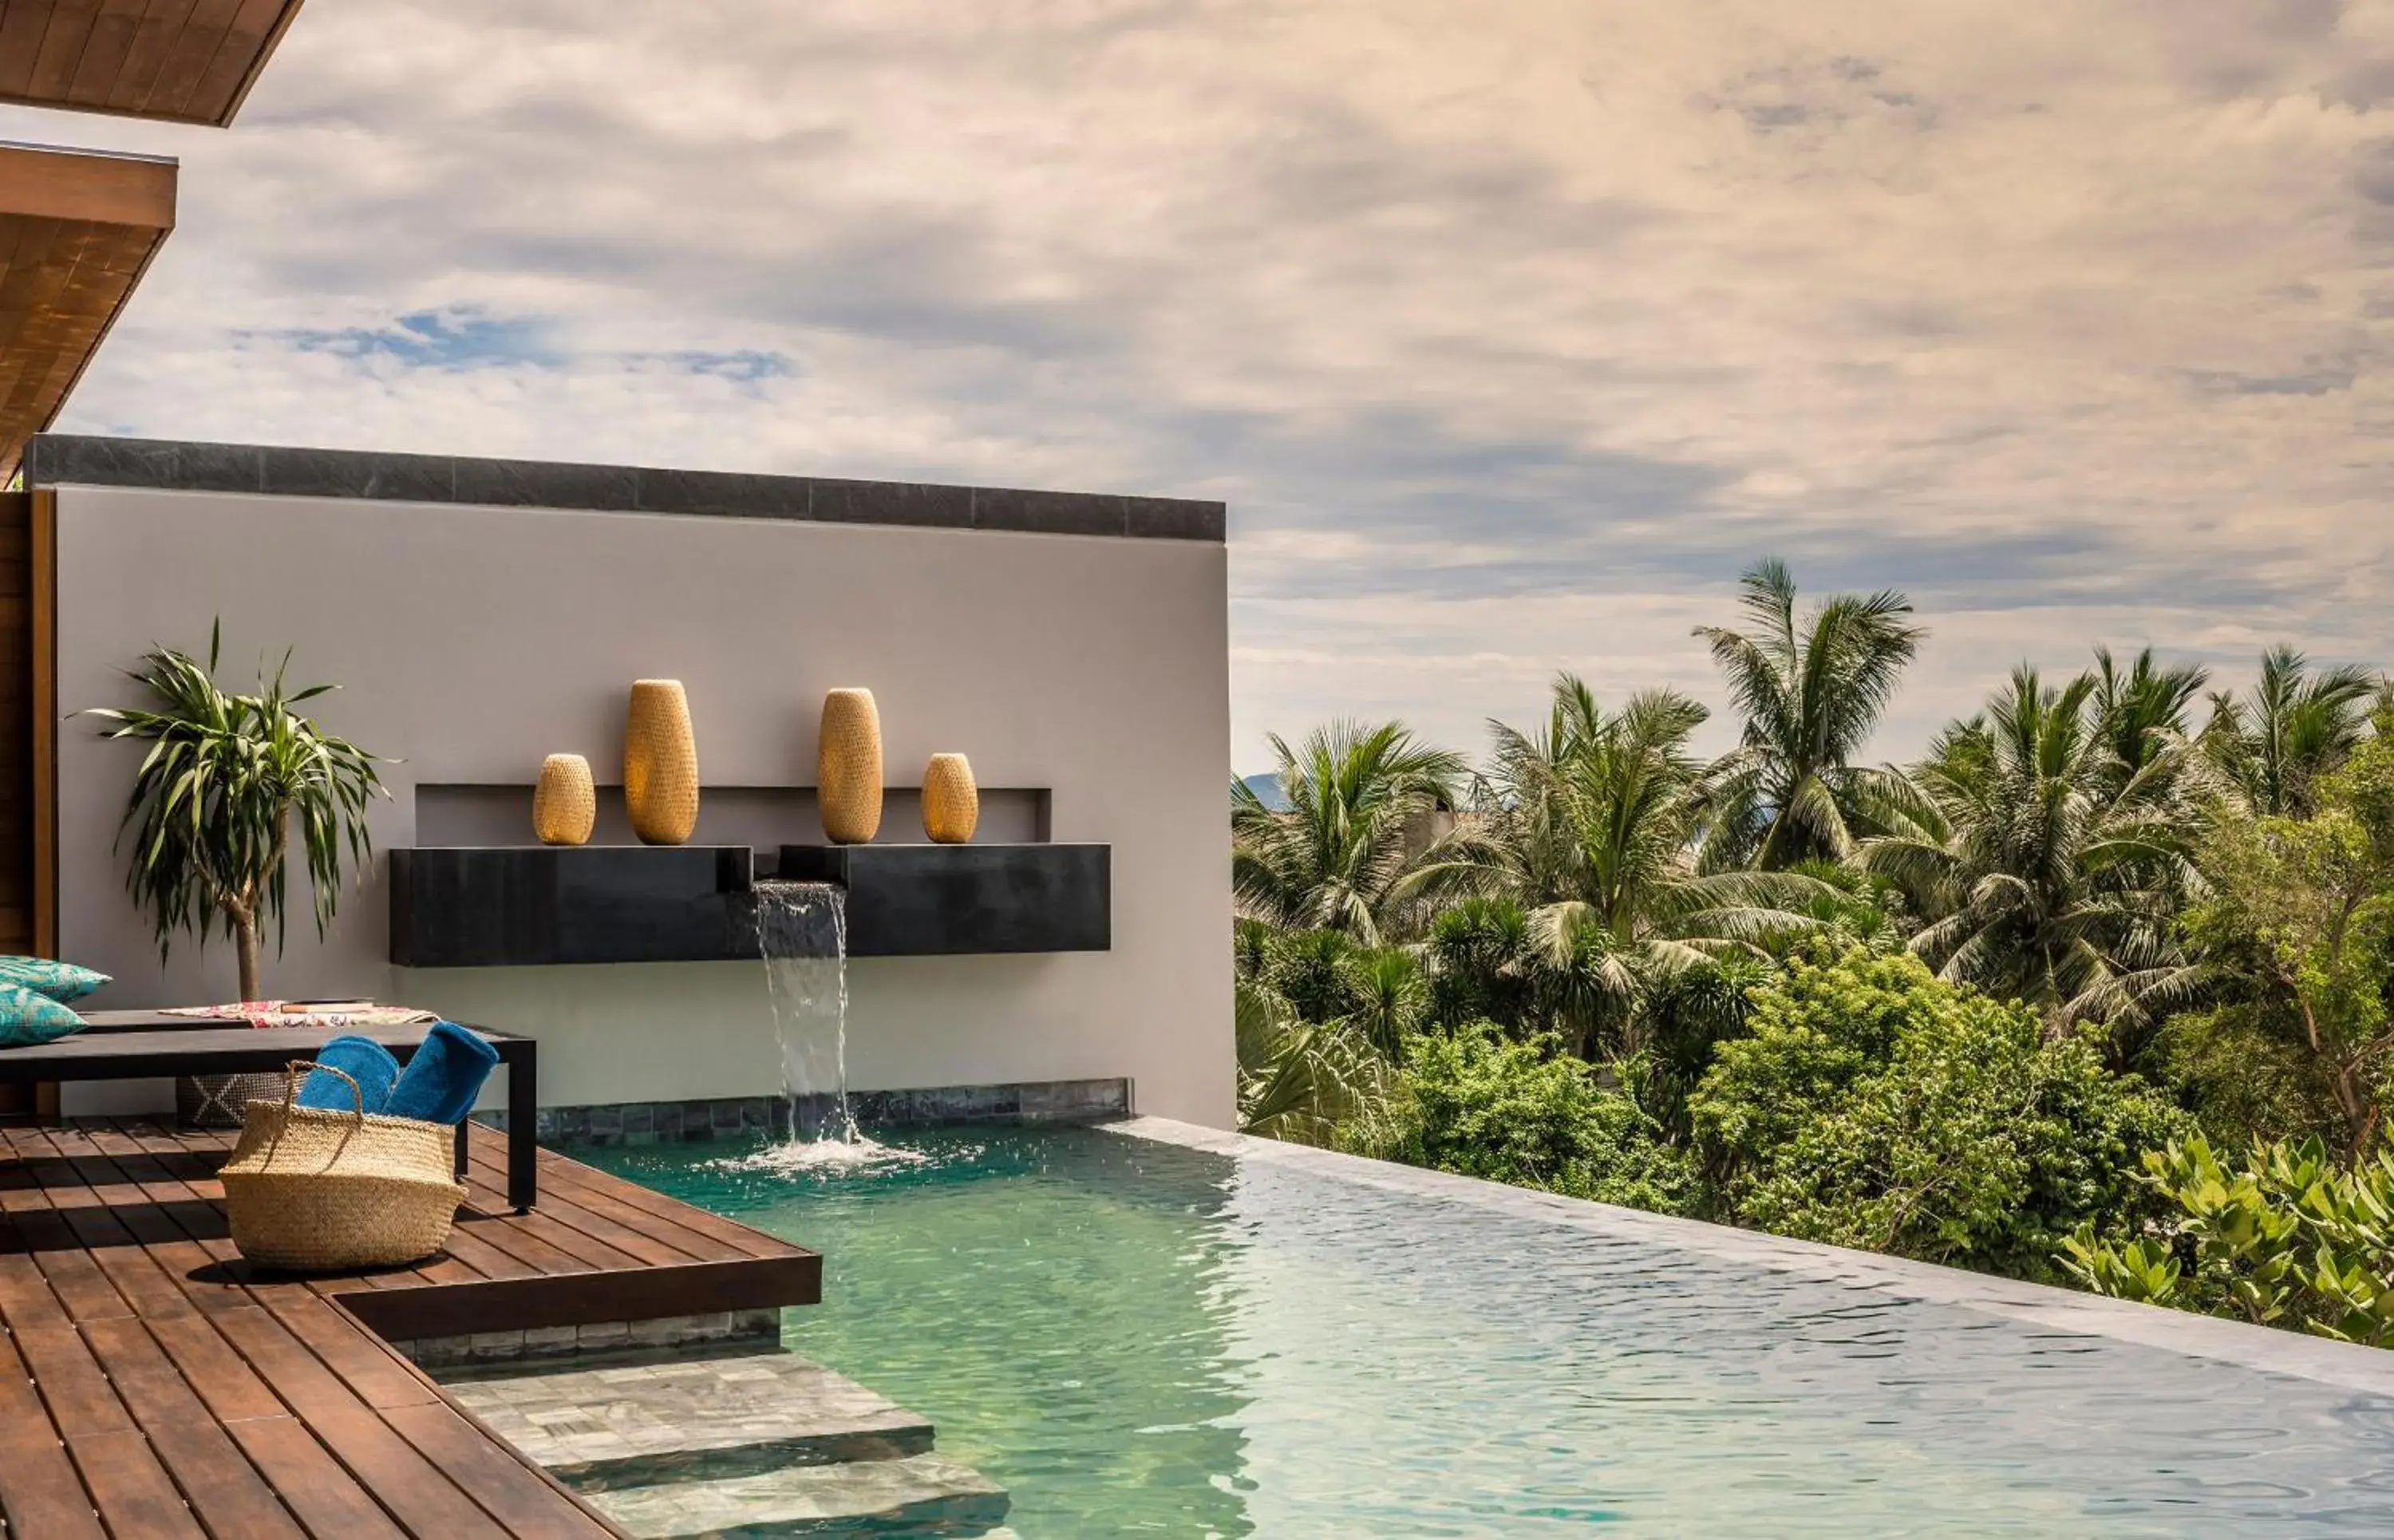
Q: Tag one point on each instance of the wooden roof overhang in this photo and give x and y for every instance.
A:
(177, 60)
(77, 230)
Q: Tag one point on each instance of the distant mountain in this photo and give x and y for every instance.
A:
(1267, 789)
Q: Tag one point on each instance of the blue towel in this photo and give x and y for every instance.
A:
(363, 1060)
(440, 1083)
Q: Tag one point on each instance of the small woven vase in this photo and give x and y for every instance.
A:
(565, 803)
(951, 801)
(847, 766)
(660, 763)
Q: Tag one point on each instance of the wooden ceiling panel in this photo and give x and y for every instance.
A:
(76, 232)
(181, 60)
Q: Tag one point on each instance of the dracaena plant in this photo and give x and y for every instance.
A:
(229, 784)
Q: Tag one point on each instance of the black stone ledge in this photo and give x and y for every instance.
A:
(71, 459)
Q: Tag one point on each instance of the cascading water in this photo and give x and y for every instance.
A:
(802, 938)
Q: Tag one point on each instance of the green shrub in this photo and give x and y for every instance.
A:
(1874, 1105)
(1479, 1103)
(2294, 1240)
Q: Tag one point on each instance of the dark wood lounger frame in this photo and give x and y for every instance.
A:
(143, 1046)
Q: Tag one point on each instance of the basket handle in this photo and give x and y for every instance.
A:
(291, 1085)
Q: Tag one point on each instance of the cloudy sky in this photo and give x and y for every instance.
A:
(1510, 331)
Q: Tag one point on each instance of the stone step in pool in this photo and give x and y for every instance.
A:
(921, 1494)
(632, 1423)
(676, 1445)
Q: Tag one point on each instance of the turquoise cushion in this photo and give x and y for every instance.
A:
(27, 1018)
(56, 979)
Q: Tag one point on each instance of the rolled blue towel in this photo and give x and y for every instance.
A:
(363, 1060)
(440, 1083)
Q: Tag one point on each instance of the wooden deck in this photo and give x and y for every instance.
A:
(152, 1385)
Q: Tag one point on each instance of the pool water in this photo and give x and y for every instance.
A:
(1136, 1338)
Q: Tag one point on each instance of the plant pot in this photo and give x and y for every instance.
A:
(951, 801)
(660, 763)
(565, 803)
(847, 766)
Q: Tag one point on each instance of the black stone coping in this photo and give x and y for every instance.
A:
(64, 459)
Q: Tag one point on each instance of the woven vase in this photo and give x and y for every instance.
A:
(565, 803)
(847, 766)
(951, 801)
(660, 763)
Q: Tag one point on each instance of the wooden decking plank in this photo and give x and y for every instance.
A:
(494, 1475)
(585, 1237)
(120, 1248)
(691, 1240)
(40, 1494)
(316, 1487)
(59, 1238)
(220, 1374)
(380, 1377)
(231, 1499)
(415, 1492)
(581, 1179)
(70, 1381)
(136, 1498)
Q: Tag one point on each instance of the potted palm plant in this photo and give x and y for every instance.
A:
(229, 782)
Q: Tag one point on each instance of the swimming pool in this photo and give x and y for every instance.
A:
(1198, 1335)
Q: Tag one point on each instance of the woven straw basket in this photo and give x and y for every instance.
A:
(314, 1191)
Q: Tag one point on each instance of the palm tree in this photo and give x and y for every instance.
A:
(2296, 725)
(1350, 852)
(1307, 1081)
(2045, 867)
(1810, 695)
(2140, 710)
(1591, 828)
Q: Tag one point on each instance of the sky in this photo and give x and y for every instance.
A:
(1510, 331)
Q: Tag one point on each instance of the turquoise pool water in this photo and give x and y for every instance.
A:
(1140, 1339)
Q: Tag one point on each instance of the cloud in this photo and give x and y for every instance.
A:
(1509, 334)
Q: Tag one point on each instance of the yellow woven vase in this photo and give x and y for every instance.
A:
(847, 766)
(565, 803)
(951, 801)
(660, 763)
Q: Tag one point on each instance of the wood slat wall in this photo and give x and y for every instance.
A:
(18, 814)
(180, 60)
(76, 233)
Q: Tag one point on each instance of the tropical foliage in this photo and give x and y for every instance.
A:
(1993, 1007)
(2290, 1238)
(1871, 1105)
(227, 781)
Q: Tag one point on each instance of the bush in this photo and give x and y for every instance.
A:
(2293, 1240)
(1482, 1104)
(1874, 1105)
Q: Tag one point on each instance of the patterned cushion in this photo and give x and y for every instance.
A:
(27, 1018)
(56, 979)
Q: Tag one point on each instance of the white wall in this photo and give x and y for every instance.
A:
(471, 641)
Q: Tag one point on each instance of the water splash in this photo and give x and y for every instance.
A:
(802, 938)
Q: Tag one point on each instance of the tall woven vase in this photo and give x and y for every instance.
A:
(660, 763)
(951, 801)
(847, 766)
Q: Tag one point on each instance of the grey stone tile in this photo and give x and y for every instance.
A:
(1075, 1101)
(219, 468)
(919, 1493)
(841, 502)
(549, 484)
(1047, 512)
(358, 473)
(724, 493)
(53, 459)
(639, 1117)
(1176, 518)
